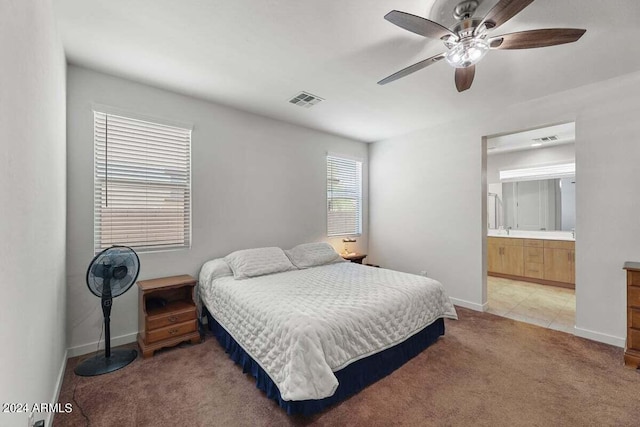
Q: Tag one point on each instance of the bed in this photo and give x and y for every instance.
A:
(314, 333)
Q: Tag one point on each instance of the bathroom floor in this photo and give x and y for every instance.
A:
(547, 306)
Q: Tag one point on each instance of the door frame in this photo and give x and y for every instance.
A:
(483, 202)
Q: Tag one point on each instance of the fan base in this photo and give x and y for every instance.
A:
(98, 365)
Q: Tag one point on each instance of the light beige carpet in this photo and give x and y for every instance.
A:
(486, 370)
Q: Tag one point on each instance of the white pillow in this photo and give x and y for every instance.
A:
(214, 269)
(258, 262)
(313, 254)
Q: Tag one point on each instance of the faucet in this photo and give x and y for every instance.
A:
(508, 228)
(573, 233)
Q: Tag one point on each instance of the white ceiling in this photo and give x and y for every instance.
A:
(255, 55)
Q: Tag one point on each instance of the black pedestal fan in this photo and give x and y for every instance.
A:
(111, 273)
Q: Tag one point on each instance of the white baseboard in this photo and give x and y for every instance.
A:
(48, 421)
(91, 347)
(468, 304)
(600, 337)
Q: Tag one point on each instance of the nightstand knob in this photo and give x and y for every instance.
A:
(173, 332)
(173, 319)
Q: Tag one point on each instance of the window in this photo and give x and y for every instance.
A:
(344, 196)
(142, 184)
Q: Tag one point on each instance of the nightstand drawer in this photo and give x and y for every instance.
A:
(173, 318)
(633, 296)
(633, 339)
(171, 331)
(634, 318)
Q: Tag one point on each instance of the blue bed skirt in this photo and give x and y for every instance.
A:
(351, 379)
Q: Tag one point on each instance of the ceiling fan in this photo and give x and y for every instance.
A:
(468, 41)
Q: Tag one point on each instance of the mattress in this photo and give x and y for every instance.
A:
(301, 326)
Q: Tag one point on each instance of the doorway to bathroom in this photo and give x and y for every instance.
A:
(531, 233)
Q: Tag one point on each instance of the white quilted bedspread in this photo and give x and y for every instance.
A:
(302, 325)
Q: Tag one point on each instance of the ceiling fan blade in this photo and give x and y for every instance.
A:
(464, 77)
(418, 25)
(536, 38)
(503, 11)
(411, 69)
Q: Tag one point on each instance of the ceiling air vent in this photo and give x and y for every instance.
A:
(547, 139)
(305, 100)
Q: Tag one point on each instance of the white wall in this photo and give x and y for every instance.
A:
(428, 198)
(256, 182)
(425, 202)
(32, 211)
(528, 158)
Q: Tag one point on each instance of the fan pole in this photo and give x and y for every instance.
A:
(106, 311)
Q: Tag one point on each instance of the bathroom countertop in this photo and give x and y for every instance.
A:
(544, 235)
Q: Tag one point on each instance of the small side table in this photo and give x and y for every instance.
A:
(167, 313)
(357, 258)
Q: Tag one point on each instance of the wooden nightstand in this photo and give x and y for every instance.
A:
(357, 258)
(169, 324)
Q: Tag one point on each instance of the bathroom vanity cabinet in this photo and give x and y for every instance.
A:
(549, 262)
(559, 261)
(506, 256)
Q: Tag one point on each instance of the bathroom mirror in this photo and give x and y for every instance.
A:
(548, 204)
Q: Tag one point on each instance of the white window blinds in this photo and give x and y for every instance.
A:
(344, 196)
(142, 184)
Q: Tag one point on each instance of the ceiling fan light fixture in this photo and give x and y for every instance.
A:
(467, 41)
(467, 52)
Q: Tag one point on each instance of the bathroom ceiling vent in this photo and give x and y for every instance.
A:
(306, 100)
(547, 138)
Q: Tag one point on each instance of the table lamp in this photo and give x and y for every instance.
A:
(345, 241)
